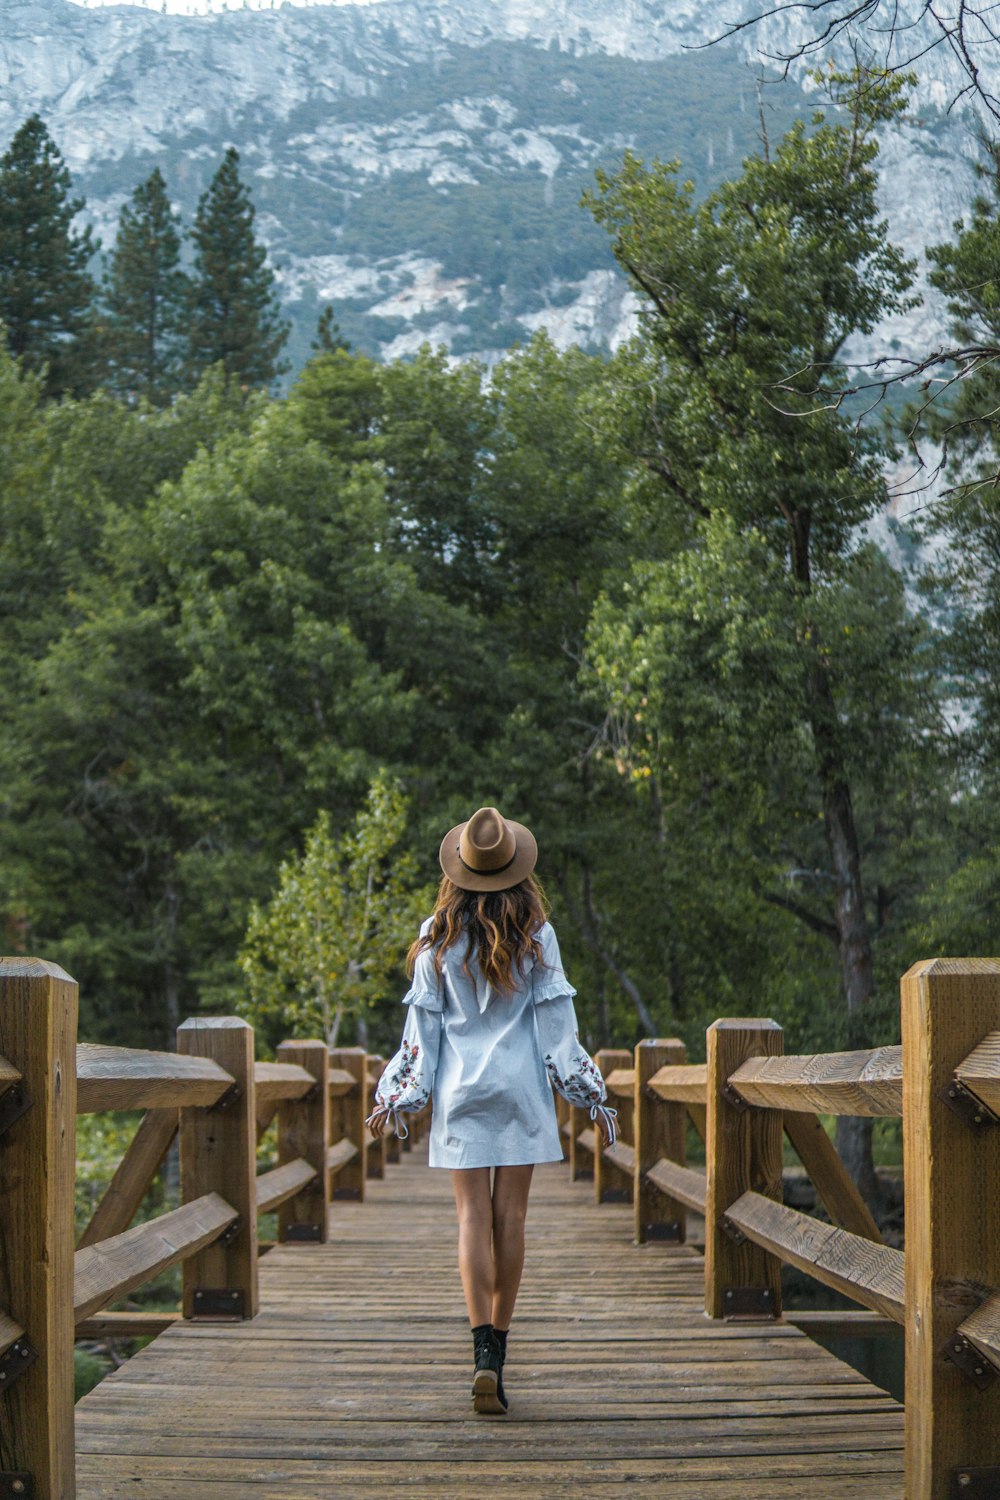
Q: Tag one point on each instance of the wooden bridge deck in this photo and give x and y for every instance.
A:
(354, 1380)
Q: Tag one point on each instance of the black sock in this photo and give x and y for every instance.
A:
(501, 1334)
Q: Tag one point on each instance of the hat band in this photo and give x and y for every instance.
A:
(496, 870)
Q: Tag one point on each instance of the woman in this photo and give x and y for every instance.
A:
(490, 1025)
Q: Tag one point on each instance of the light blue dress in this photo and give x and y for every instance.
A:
(490, 1060)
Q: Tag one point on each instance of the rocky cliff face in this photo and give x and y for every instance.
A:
(420, 163)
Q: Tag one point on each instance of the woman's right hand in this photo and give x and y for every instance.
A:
(377, 1122)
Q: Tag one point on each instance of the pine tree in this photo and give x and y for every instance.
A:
(235, 317)
(328, 337)
(46, 291)
(146, 297)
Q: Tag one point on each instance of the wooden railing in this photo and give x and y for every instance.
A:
(220, 1102)
(944, 1081)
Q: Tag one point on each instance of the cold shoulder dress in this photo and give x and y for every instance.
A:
(490, 1061)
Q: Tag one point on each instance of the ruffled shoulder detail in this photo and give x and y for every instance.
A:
(426, 991)
(426, 999)
(549, 982)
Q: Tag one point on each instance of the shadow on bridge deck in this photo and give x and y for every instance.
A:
(354, 1380)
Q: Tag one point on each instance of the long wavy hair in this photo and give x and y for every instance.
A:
(499, 927)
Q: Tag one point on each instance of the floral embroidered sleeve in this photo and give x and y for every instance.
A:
(572, 1071)
(408, 1078)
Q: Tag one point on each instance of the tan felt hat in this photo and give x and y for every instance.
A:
(488, 853)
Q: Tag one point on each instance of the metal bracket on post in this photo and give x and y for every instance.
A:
(14, 1103)
(218, 1304)
(19, 1486)
(232, 1093)
(974, 1484)
(303, 1232)
(731, 1231)
(733, 1096)
(19, 1357)
(750, 1302)
(969, 1360)
(230, 1232)
(970, 1110)
(667, 1230)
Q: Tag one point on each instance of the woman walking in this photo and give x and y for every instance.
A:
(490, 1026)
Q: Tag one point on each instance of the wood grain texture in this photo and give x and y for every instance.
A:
(131, 1078)
(281, 1183)
(743, 1153)
(38, 1019)
(659, 1133)
(106, 1271)
(835, 1187)
(619, 1386)
(608, 1175)
(871, 1274)
(621, 1083)
(9, 1075)
(133, 1175)
(684, 1082)
(348, 1111)
(952, 1220)
(698, 1115)
(832, 1083)
(218, 1155)
(303, 1132)
(844, 1323)
(980, 1071)
(126, 1325)
(340, 1155)
(340, 1082)
(280, 1080)
(982, 1329)
(687, 1185)
(10, 1332)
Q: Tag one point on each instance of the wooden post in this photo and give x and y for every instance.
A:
(347, 1119)
(38, 1015)
(303, 1131)
(660, 1129)
(743, 1153)
(378, 1154)
(579, 1166)
(218, 1155)
(609, 1184)
(952, 1178)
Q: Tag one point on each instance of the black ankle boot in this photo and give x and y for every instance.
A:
(486, 1395)
(501, 1338)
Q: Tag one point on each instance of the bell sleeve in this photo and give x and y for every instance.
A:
(569, 1066)
(408, 1078)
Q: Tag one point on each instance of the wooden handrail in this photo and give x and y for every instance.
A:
(273, 1081)
(10, 1332)
(982, 1329)
(682, 1083)
(980, 1072)
(131, 1078)
(9, 1075)
(686, 1184)
(341, 1082)
(125, 1325)
(281, 1183)
(621, 1083)
(621, 1155)
(341, 1154)
(833, 1083)
(871, 1274)
(113, 1267)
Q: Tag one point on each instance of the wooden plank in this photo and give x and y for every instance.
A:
(38, 1019)
(621, 1156)
(106, 1271)
(9, 1075)
(132, 1078)
(743, 1153)
(686, 1185)
(698, 1115)
(836, 1188)
(281, 1183)
(871, 1274)
(682, 1082)
(980, 1071)
(608, 1179)
(348, 1112)
(844, 1323)
(659, 1133)
(126, 1325)
(952, 1221)
(303, 1131)
(340, 1082)
(340, 1155)
(273, 1081)
(982, 1329)
(218, 1155)
(621, 1083)
(832, 1083)
(133, 1175)
(10, 1332)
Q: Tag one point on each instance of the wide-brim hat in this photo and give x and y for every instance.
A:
(488, 852)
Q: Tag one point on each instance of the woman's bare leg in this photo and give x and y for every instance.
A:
(510, 1207)
(475, 1228)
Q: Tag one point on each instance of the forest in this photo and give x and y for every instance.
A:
(260, 651)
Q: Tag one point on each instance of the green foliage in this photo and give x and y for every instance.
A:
(146, 296)
(46, 291)
(233, 309)
(336, 929)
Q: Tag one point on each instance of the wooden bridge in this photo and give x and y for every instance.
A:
(338, 1362)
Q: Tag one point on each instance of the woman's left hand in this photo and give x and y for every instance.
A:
(377, 1122)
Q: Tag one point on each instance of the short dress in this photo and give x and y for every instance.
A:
(490, 1060)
